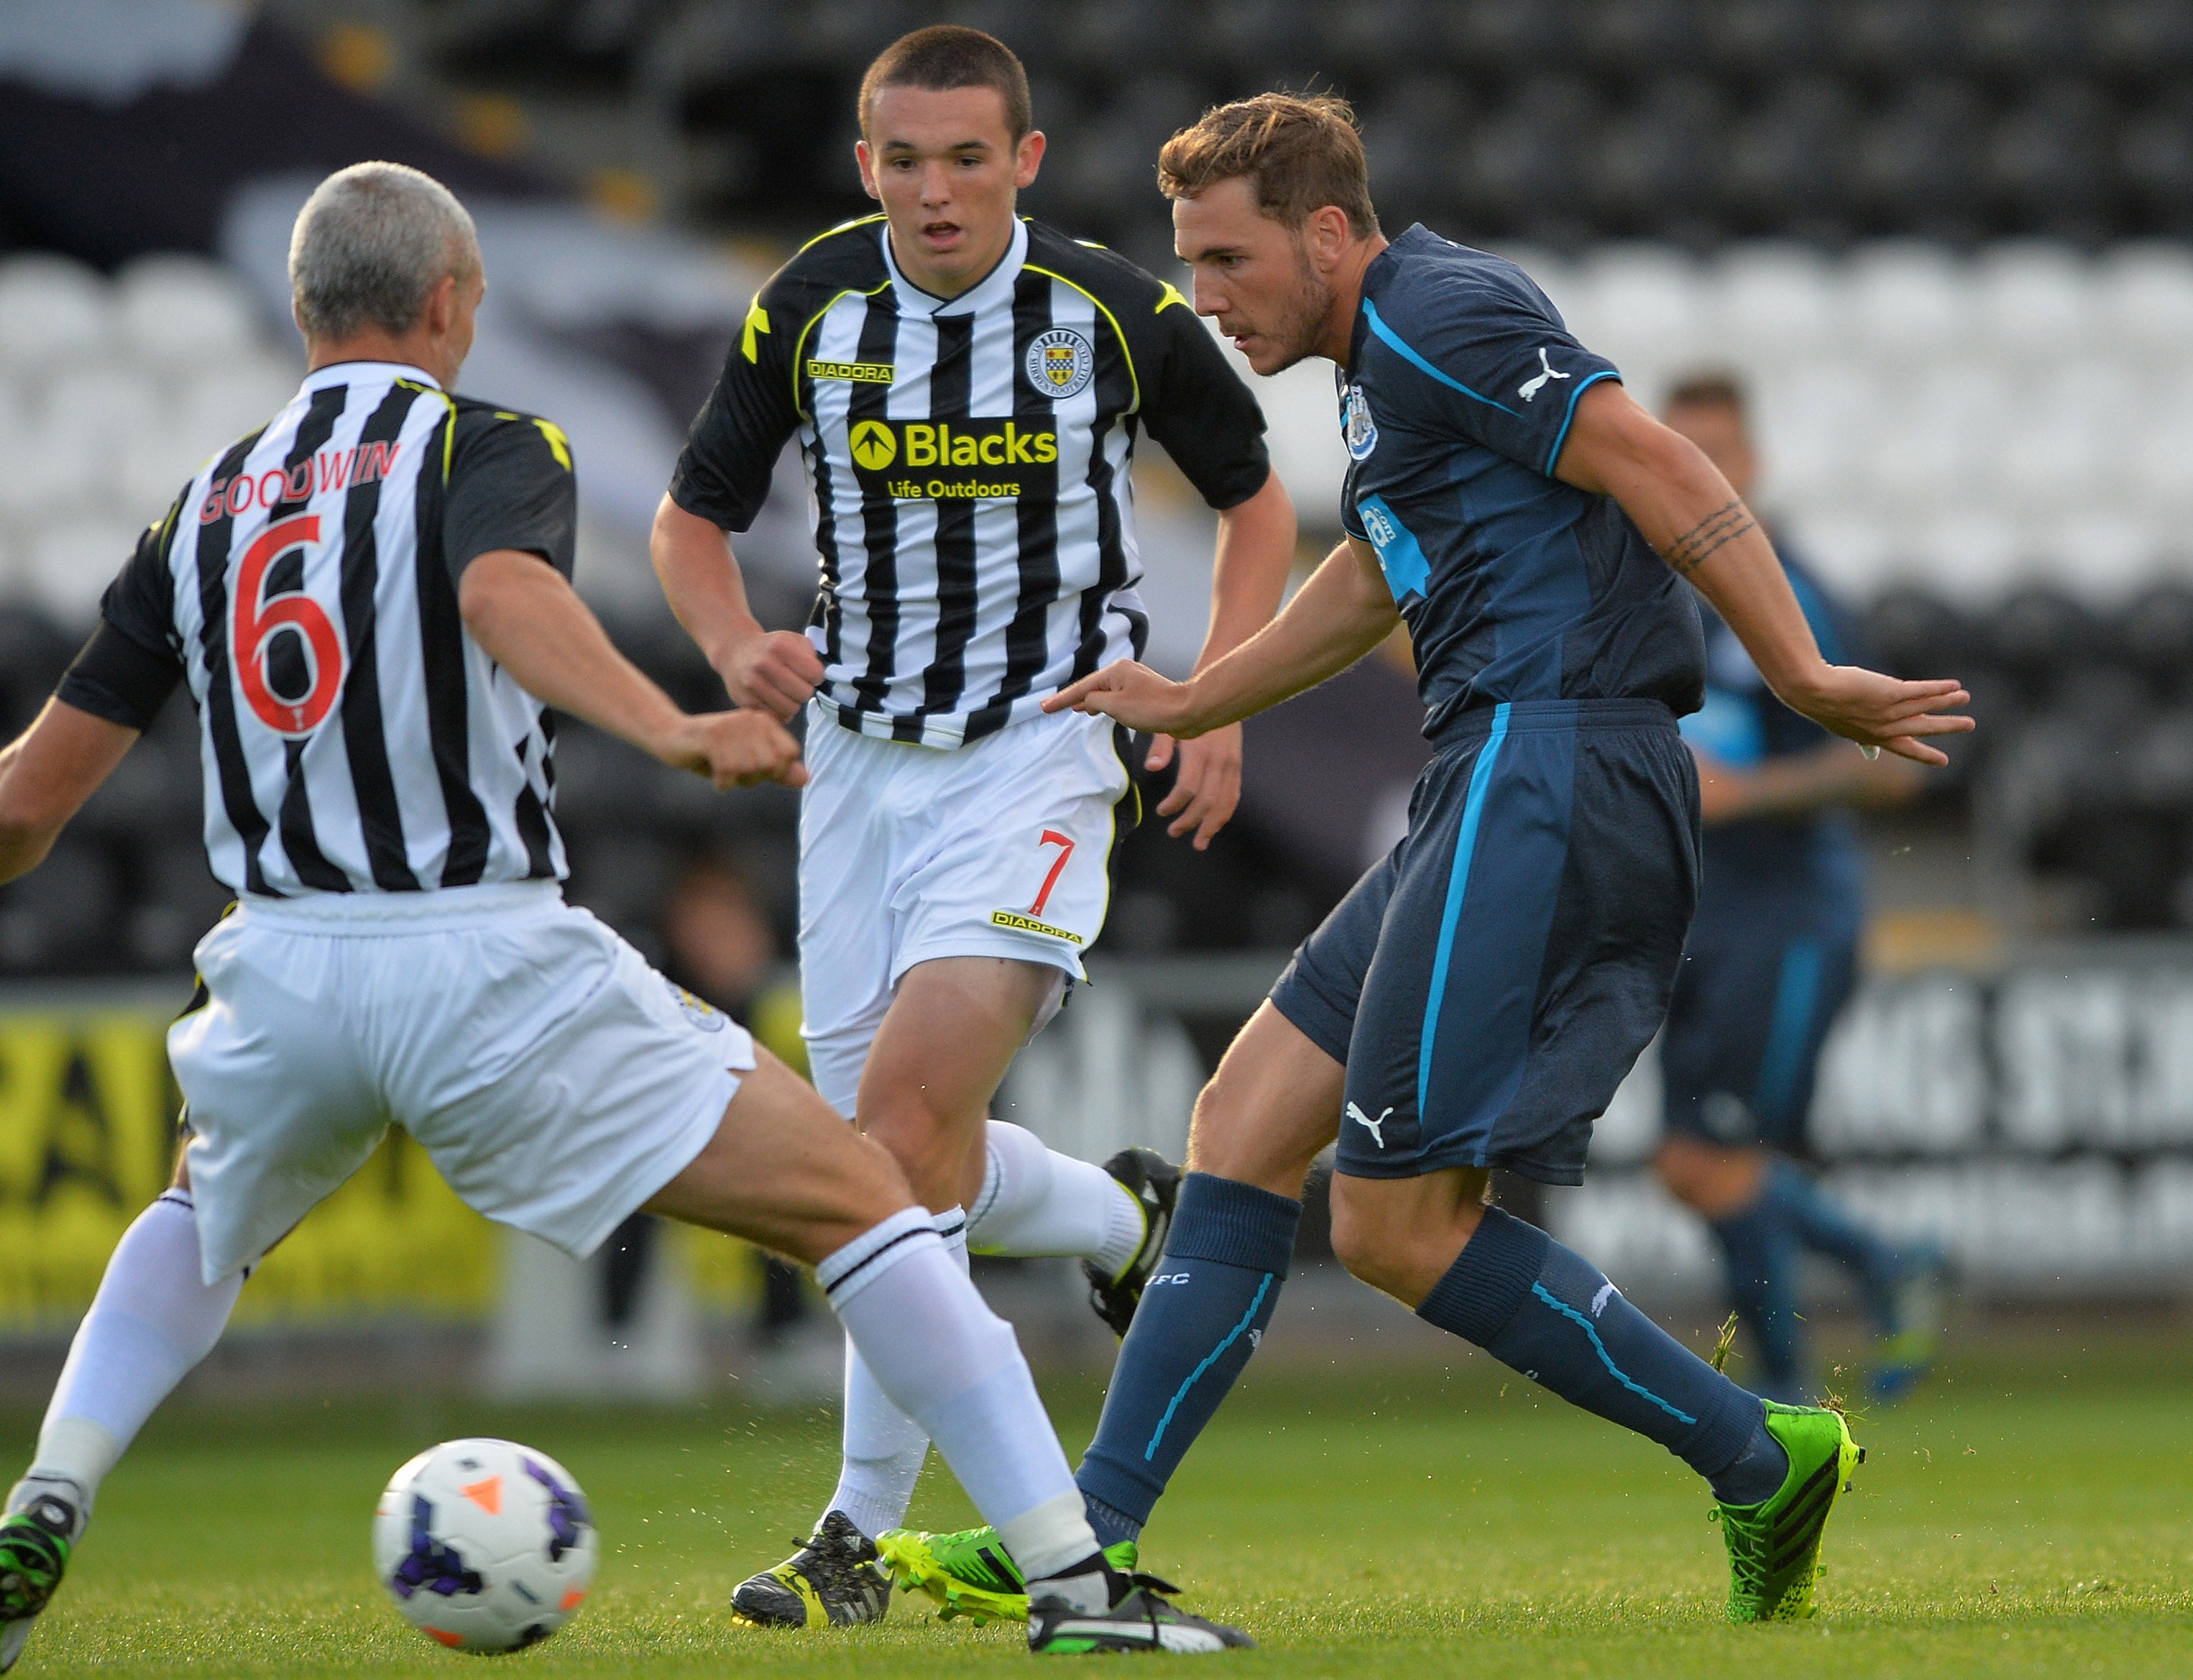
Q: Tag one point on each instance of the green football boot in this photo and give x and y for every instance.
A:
(831, 1581)
(970, 1574)
(1774, 1546)
(35, 1543)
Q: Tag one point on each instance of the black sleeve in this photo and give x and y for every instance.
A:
(511, 487)
(130, 665)
(1202, 413)
(724, 470)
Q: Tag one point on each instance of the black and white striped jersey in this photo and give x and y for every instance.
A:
(354, 737)
(968, 460)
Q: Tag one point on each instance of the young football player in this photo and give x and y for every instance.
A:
(967, 388)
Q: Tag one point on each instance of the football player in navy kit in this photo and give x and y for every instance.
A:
(1476, 1000)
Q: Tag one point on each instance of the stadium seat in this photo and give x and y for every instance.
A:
(1907, 301)
(68, 565)
(2016, 42)
(1653, 167)
(1885, 41)
(2154, 631)
(2154, 161)
(1779, 299)
(1517, 169)
(220, 404)
(1915, 167)
(2045, 638)
(33, 653)
(2144, 297)
(2034, 296)
(2043, 165)
(179, 311)
(53, 311)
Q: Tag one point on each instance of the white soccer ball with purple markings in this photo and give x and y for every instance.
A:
(485, 1545)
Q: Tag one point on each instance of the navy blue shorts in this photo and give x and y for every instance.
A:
(1761, 984)
(1492, 982)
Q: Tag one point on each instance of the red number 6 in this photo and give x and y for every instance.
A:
(256, 621)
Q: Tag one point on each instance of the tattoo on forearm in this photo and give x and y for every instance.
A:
(1688, 552)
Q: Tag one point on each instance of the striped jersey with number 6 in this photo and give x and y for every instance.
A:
(354, 738)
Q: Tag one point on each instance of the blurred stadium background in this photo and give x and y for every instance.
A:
(1948, 244)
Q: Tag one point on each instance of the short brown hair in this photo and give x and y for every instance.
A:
(947, 55)
(1300, 150)
(1713, 388)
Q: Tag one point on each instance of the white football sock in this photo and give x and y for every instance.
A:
(884, 1447)
(151, 1321)
(954, 1366)
(1035, 1200)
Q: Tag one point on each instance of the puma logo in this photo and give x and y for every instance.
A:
(1607, 1292)
(1369, 1124)
(1531, 388)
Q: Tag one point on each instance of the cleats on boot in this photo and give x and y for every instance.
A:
(1154, 1182)
(1139, 1618)
(35, 1543)
(970, 1574)
(1774, 1546)
(1906, 1349)
(832, 1580)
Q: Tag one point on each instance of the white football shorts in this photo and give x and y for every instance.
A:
(908, 853)
(555, 1079)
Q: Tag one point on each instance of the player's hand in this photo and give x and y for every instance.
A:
(1887, 713)
(1133, 695)
(775, 672)
(1206, 787)
(735, 750)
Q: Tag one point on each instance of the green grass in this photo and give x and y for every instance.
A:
(2027, 1516)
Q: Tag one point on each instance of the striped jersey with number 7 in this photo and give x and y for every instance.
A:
(353, 737)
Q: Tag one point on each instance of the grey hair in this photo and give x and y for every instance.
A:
(370, 245)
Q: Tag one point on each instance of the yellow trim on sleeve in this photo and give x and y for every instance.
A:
(1169, 296)
(1134, 382)
(450, 428)
(800, 344)
(757, 323)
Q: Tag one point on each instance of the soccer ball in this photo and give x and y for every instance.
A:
(485, 1545)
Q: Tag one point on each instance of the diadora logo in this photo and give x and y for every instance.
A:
(858, 373)
(1372, 1126)
(1531, 388)
(1357, 428)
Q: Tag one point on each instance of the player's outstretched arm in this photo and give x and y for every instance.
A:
(773, 670)
(530, 621)
(46, 774)
(1340, 614)
(1700, 526)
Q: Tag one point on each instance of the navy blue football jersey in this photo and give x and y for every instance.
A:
(1742, 725)
(1461, 385)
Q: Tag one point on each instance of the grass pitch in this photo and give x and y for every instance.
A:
(2027, 1515)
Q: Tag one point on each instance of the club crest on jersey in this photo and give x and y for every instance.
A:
(1060, 362)
(704, 1015)
(1356, 426)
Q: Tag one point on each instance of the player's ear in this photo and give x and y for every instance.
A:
(1027, 158)
(866, 160)
(1326, 234)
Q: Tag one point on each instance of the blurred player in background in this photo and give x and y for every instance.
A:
(967, 388)
(1477, 998)
(1771, 960)
(369, 599)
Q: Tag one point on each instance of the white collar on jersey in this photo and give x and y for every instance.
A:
(339, 373)
(996, 287)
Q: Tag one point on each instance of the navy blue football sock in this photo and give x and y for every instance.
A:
(1759, 1247)
(1826, 1227)
(1201, 1316)
(1547, 1312)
